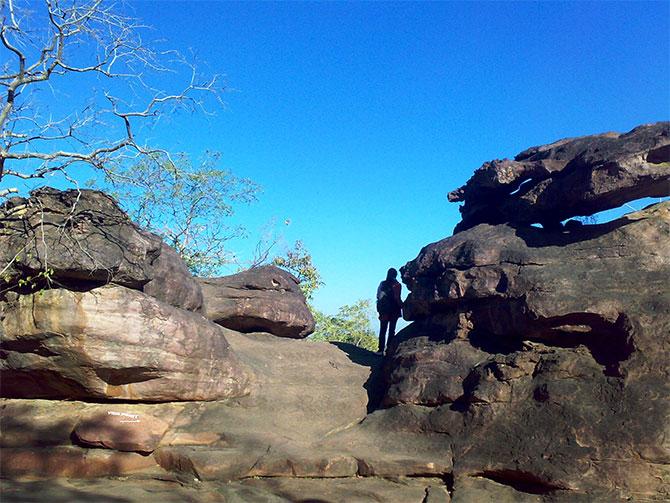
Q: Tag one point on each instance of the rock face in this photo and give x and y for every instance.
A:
(84, 240)
(577, 176)
(121, 431)
(113, 343)
(262, 299)
(173, 282)
(535, 368)
(544, 354)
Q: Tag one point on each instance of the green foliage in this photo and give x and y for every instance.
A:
(351, 324)
(36, 283)
(298, 261)
(188, 206)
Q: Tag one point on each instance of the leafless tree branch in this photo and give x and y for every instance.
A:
(45, 43)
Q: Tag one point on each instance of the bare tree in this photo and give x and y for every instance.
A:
(93, 42)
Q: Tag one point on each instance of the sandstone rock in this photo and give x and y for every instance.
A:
(262, 299)
(571, 397)
(135, 488)
(430, 373)
(72, 462)
(113, 343)
(121, 430)
(48, 423)
(81, 239)
(577, 176)
(172, 282)
(365, 490)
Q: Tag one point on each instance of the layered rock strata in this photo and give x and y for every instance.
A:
(113, 343)
(543, 352)
(261, 299)
(81, 239)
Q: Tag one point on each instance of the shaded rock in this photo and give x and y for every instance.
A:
(172, 282)
(73, 462)
(262, 299)
(431, 373)
(121, 430)
(48, 423)
(576, 176)
(366, 490)
(113, 343)
(81, 239)
(573, 328)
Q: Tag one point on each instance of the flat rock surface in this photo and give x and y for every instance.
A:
(275, 490)
(303, 433)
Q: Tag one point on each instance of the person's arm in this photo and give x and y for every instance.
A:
(397, 288)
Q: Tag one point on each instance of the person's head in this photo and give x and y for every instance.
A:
(391, 274)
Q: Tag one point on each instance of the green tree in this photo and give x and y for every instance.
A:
(351, 324)
(188, 206)
(298, 261)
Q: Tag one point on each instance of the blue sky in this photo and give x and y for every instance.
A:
(358, 118)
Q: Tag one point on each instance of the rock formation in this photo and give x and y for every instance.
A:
(535, 368)
(261, 299)
(577, 176)
(113, 343)
(543, 353)
(81, 239)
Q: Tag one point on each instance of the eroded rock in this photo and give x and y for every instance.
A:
(121, 430)
(569, 391)
(81, 239)
(113, 343)
(262, 299)
(567, 178)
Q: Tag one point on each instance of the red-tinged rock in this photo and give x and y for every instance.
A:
(262, 299)
(113, 343)
(121, 430)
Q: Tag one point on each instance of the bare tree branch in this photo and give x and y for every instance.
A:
(78, 38)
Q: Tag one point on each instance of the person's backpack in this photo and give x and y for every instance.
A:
(386, 302)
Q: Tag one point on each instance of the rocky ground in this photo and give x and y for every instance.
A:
(535, 367)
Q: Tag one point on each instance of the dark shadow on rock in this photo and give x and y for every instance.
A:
(535, 237)
(375, 383)
(52, 491)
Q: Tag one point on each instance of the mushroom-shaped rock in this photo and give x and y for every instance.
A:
(261, 299)
(567, 178)
(113, 343)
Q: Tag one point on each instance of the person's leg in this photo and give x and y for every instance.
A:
(392, 323)
(383, 325)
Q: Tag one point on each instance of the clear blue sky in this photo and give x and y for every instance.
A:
(358, 118)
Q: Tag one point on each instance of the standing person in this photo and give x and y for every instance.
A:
(389, 307)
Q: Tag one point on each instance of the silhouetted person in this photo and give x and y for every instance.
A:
(389, 307)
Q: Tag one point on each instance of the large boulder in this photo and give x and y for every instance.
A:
(113, 343)
(81, 239)
(261, 299)
(549, 351)
(576, 176)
